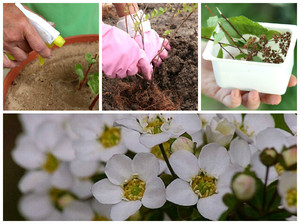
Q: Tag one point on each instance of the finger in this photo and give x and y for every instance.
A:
(7, 63)
(233, 99)
(36, 43)
(163, 54)
(251, 100)
(293, 81)
(18, 54)
(270, 99)
(145, 68)
(157, 62)
(166, 44)
(24, 46)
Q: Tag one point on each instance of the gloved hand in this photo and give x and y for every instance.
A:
(121, 55)
(152, 41)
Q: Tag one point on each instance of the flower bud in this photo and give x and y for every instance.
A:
(182, 143)
(268, 157)
(290, 157)
(220, 131)
(244, 187)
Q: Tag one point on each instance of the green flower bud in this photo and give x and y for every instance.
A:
(268, 157)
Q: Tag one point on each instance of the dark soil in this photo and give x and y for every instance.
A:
(54, 86)
(175, 83)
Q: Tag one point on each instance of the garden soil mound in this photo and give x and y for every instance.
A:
(54, 86)
(175, 83)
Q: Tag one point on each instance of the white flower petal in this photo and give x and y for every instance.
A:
(130, 123)
(27, 155)
(198, 138)
(132, 141)
(78, 211)
(118, 169)
(287, 182)
(270, 138)
(81, 168)
(162, 166)
(184, 164)
(106, 153)
(255, 123)
(233, 118)
(101, 209)
(36, 207)
(214, 159)
(155, 194)
(124, 210)
(86, 126)
(181, 193)
(55, 216)
(62, 178)
(239, 152)
(146, 165)
(37, 181)
(212, 206)
(88, 150)
(150, 140)
(106, 192)
(64, 150)
(291, 121)
(190, 123)
(82, 188)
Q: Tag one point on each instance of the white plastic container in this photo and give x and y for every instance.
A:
(250, 75)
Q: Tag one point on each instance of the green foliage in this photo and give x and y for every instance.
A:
(207, 31)
(167, 33)
(257, 59)
(212, 21)
(89, 59)
(79, 71)
(94, 82)
(218, 37)
(240, 56)
(220, 53)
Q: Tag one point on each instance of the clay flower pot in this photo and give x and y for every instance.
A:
(33, 55)
(249, 75)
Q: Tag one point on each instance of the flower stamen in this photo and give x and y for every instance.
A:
(134, 189)
(204, 185)
(111, 136)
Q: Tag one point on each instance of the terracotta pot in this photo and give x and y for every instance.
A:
(13, 73)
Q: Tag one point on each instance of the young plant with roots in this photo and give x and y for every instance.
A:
(253, 41)
(93, 79)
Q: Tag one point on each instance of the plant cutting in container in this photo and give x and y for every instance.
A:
(243, 52)
(160, 93)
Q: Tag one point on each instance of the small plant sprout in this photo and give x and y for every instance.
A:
(253, 41)
(93, 79)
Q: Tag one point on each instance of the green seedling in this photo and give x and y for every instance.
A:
(254, 46)
(93, 79)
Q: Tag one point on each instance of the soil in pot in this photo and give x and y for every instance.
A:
(175, 83)
(54, 86)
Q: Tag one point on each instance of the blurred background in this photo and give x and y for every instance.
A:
(12, 172)
(284, 13)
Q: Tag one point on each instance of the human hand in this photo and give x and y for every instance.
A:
(121, 55)
(234, 97)
(20, 37)
(153, 45)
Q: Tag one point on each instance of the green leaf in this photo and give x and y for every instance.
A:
(88, 57)
(167, 32)
(207, 31)
(79, 71)
(240, 56)
(257, 59)
(247, 26)
(220, 54)
(185, 212)
(219, 36)
(212, 21)
(94, 82)
(229, 200)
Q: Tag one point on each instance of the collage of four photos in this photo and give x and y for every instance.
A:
(181, 124)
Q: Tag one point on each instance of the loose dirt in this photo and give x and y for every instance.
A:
(54, 86)
(175, 83)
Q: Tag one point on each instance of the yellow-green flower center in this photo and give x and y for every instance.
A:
(291, 197)
(134, 189)
(51, 163)
(156, 150)
(60, 198)
(111, 136)
(244, 128)
(154, 125)
(100, 218)
(279, 168)
(204, 185)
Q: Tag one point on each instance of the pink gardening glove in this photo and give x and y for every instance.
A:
(121, 55)
(152, 44)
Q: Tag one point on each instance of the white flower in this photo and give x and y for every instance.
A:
(102, 211)
(244, 186)
(159, 128)
(290, 156)
(206, 118)
(201, 181)
(287, 189)
(220, 131)
(78, 211)
(182, 143)
(240, 153)
(130, 184)
(98, 139)
(271, 138)
(45, 157)
(251, 125)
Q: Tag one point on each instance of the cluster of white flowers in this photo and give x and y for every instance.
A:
(106, 167)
